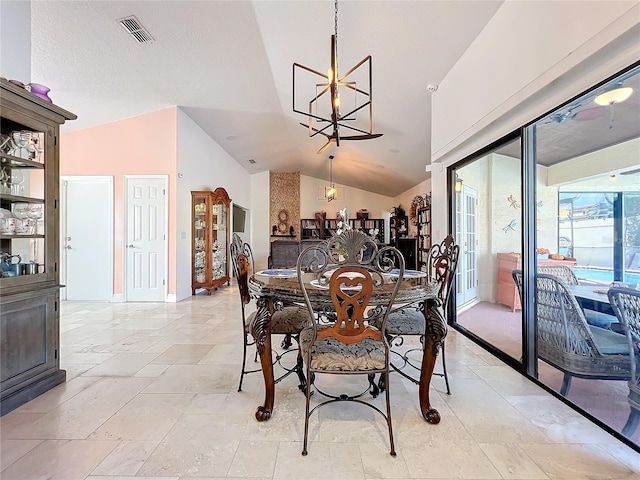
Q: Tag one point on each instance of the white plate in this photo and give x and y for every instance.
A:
(325, 286)
(278, 273)
(408, 273)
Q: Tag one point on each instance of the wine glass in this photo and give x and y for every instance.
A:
(34, 213)
(17, 181)
(5, 143)
(5, 186)
(19, 142)
(20, 210)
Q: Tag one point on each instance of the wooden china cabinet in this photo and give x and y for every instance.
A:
(29, 246)
(209, 239)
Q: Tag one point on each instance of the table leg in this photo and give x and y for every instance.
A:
(261, 330)
(436, 330)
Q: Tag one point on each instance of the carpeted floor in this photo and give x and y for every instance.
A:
(605, 400)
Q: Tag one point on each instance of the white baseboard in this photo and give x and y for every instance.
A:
(171, 298)
(117, 298)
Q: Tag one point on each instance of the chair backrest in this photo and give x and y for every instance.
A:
(350, 288)
(353, 280)
(626, 305)
(442, 264)
(561, 326)
(562, 271)
(243, 266)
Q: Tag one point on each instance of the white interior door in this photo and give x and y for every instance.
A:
(86, 243)
(467, 232)
(145, 238)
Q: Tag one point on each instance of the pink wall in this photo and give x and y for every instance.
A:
(144, 145)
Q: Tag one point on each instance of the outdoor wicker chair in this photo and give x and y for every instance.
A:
(288, 321)
(560, 271)
(626, 304)
(567, 342)
(598, 319)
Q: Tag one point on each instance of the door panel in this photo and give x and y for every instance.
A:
(467, 232)
(145, 239)
(86, 238)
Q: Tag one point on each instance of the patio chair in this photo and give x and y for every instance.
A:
(626, 304)
(595, 318)
(287, 321)
(567, 342)
(441, 268)
(561, 271)
(350, 345)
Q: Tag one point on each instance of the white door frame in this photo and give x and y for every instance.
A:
(63, 225)
(125, 189)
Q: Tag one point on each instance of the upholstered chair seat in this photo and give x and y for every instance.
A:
(331, 355)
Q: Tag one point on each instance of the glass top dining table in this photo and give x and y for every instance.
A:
(273, 287)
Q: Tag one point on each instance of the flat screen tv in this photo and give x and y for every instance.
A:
(239, 218)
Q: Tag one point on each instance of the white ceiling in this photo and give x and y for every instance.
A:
(228, 65)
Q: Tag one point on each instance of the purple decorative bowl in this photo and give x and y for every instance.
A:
(40, 91)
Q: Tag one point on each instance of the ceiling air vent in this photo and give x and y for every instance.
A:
(251, 161)
(135, 29)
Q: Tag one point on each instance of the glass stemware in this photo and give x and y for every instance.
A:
(34, 213)
(19, 143)
(5, 186)
(5, 143)
(17, 181)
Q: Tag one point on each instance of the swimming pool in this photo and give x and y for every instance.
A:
(604, 275)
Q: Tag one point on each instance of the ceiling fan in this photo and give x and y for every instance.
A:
(571, 114)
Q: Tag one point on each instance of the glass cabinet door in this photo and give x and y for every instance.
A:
(219, 240)
(210, 239)
(199, 240)
(22, 201)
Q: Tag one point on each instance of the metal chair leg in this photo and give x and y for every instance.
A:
(391, 444)
(244, 360)
(444, 370)
(306, 413)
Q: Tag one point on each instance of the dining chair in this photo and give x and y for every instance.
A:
(287, 321)
(410, 321)
(350, 345)
(595, 318)
(567, 342)
(626, 304)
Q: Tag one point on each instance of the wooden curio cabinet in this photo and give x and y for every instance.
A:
(29, 246)
(209, 239)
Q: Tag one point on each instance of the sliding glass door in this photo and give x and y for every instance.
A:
(488, 229)
(567, 216)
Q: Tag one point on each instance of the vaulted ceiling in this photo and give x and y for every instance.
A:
(228, 65)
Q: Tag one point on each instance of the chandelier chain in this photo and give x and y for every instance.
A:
(331, 170)
(336, 31)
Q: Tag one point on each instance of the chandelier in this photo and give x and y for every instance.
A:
(330, 192)
(327, 120)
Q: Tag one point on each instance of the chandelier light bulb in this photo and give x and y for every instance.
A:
(616, 95)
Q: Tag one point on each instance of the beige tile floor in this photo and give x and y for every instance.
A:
(151, 393)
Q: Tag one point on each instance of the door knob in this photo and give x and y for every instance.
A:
(131, 246)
